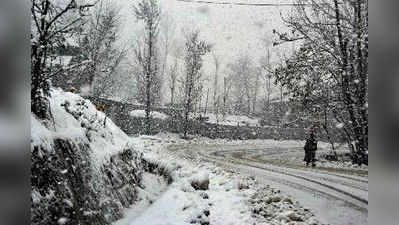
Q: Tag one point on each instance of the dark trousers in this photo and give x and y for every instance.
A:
(310, 157)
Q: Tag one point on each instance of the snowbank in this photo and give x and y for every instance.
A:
(154, 114)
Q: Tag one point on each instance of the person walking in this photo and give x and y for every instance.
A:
(310, 149)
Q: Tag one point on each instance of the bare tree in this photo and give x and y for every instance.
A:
(97, 42)
(267, 76)
(167, 29)
(226, 91)
(195, 50)
(258, 73)
(149, 12)
(216, 60)
(50, 24)
(173, 74)
(206, 101)
(243, 78)
(338, 32)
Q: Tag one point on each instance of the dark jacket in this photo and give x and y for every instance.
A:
(311, 144)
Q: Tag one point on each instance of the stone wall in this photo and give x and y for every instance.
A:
(119, 113)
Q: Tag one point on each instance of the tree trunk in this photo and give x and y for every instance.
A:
(172, 96)
(356, 125)
(206, 102)
(188, 105)
(40, 85)
(148, 82)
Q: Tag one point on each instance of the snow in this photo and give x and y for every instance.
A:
(154, 186)
(289, 151)
(62, 220)
(63, 60)
(330, 205)
(340, 125)
(153, 114)
(232, 120)
(40, 135)
(201, 177)
(105, 141)
(226, 202)
(181, 204)
(85, 90)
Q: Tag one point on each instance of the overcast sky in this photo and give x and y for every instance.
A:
(232, 29)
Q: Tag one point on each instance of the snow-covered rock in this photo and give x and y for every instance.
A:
(200, 181)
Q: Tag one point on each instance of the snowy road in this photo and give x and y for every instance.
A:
(337, 197)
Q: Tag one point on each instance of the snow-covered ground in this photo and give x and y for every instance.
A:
(230, 198)
(199, 191)
(154, 114)
(211, 181)
(229, 120)
(288, 152)
(153, 188)
(337, 196)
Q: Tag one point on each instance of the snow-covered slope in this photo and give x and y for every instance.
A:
(84, 169)
(76, 117)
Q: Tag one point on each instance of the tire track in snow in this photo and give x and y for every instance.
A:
(365, 201)
(302, 171)
(331, 204)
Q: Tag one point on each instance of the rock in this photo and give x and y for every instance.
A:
(200, 220)
(288, 200)
(242, 186)
(204, 195)
(276, 199)
(312, 221)
(291, 215)
(269, 200)
(200, 185)
(201, 182)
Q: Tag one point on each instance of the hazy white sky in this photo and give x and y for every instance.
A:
(233, 29)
